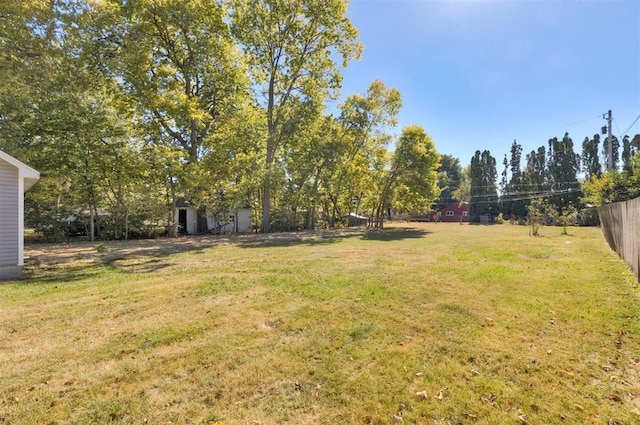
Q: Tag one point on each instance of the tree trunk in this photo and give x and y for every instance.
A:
(266, 203)
(310, 217)
(174, 218)
(334, 209)
(311, 213)
(271, 152)
(266, 189)
(92, 225)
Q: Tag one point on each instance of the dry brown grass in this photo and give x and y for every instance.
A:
(325, 328)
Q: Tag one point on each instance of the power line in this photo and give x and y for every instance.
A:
(524, 185)
(617, 128)
(632, 124)
(525, 196)
(580, 122)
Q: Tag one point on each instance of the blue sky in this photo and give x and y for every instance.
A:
(479, 74)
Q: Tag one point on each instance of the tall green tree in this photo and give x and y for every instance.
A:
(463, 193)
(235, 166)
(291, 47)
(590, 156)
(411, 181)
(483, 188)
(304, 160)
(512, 200)
(365, 120)
(31, 63)
(449, 175)
(65, 119)
(177, 61)
(563, 165)
(630, 149)
(313, 158)
(535, 176)
(504, 176)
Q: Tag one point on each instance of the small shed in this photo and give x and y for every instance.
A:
(15, 179)
(229, 222)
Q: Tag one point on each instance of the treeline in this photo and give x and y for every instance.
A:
(564, 178)
(128, 107)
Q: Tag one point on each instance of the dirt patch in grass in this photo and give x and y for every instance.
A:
(52, 254)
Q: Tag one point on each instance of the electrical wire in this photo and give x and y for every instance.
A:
(580, 122)
(617, 128)
(525, 197)
(524, 185)
(632, 124)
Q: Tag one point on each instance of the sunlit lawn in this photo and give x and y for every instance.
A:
(434, 323)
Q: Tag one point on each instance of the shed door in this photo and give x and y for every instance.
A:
(182, 221)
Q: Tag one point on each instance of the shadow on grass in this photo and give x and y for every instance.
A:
(394, 234)
(151, 256)
(292, 241)
(138, 265)
(285, 240)
(62, 275)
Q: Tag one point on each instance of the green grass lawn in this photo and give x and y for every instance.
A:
(434, 323)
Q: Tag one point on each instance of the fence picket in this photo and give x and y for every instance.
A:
(620, 223)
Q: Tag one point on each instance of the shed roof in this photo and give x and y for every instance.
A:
(29, 175)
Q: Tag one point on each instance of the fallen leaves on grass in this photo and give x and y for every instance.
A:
(422, 395)
(440, 395)
(490, 400)
(522, 417)
(616, 398)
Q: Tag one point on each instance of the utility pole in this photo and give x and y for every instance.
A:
(610, 143)
(607, 130)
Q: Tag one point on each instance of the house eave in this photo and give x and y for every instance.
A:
(28, 174)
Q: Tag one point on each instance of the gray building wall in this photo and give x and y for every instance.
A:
(8, 214)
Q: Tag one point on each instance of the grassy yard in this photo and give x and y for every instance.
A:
(431, 323)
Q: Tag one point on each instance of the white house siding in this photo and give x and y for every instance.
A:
(240, 222)
(9, 218)
(192, 221)
(244, 221)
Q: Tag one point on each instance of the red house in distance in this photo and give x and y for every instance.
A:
(452, 213)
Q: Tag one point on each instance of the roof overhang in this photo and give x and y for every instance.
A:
(27, 173)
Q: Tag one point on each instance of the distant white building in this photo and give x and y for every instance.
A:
(232, 222)
(15, 179)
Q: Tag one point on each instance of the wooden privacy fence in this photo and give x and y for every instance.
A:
(620, 223)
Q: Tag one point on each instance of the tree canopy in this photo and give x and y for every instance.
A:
(128, 108)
